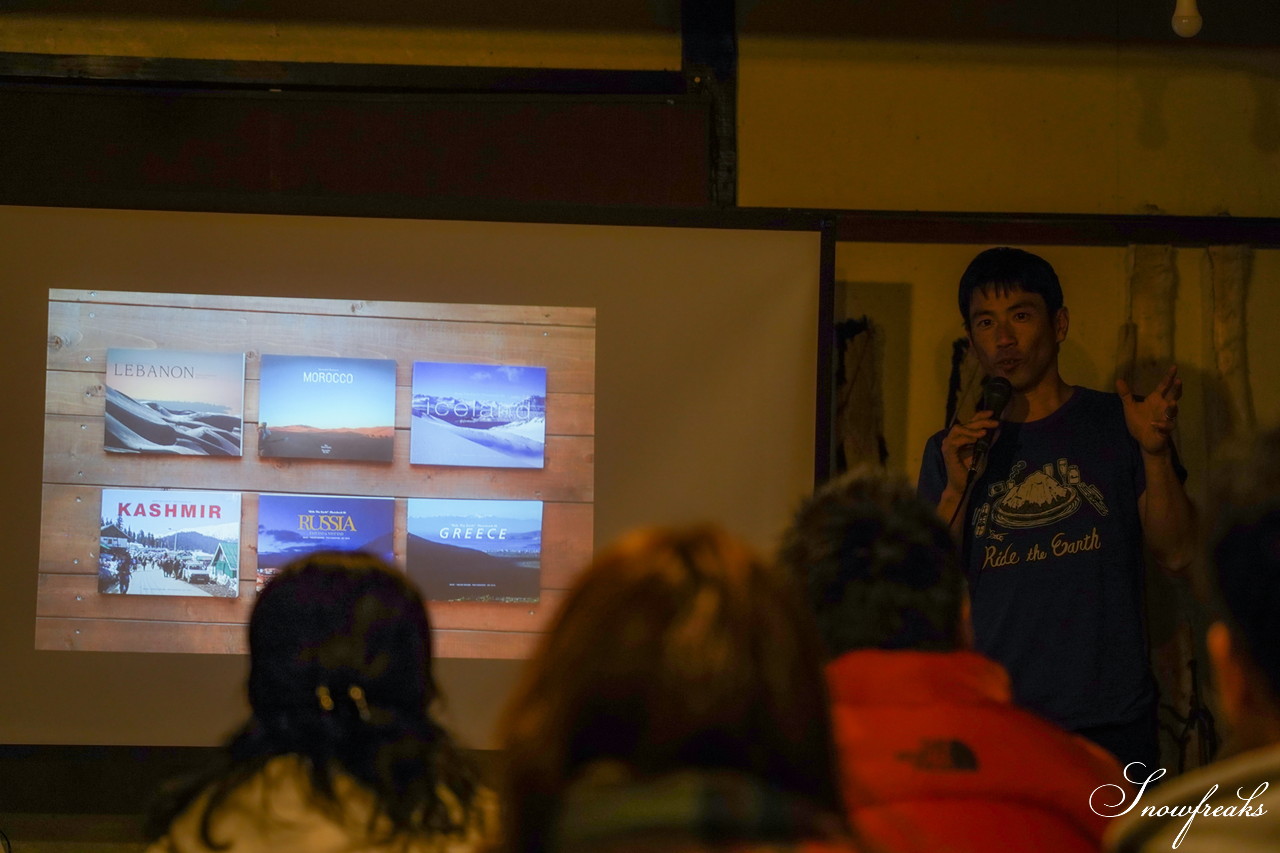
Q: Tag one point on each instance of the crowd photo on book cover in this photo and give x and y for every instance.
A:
(169, 542)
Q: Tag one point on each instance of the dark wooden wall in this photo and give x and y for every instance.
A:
(211, 148)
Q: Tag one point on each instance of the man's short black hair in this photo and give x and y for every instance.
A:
(877, 565)
(1245, 549)
(1004, 269)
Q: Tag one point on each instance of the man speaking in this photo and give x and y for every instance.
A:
(1053, 509)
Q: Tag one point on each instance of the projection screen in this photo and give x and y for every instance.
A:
(675, 368)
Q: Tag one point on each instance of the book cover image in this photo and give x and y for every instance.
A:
(169, 542)
(475, 550)
(171, 401)
(291, 526)
(327, 408)
(482, 415)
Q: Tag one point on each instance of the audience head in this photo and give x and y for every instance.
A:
(342, 625)
(879, 568)
(340, 676)
(1004, 269)
(676, 649)
(1245, 573)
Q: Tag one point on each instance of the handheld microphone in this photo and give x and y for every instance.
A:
(996, 393)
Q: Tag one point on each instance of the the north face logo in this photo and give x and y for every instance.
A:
(942, 755)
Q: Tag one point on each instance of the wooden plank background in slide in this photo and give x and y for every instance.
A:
(89, 635)
(523, 314)
(72, 614)
(74, 455)
(80, 334)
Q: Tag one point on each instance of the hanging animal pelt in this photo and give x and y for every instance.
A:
(1231, 409)
(1145, 353)
(964, 388)
(859, 395)
(1146, 338)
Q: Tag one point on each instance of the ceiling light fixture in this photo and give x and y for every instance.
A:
(1186, 19)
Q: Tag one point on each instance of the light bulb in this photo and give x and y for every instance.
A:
(1186, 19)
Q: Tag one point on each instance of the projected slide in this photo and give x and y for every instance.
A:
(194, 444)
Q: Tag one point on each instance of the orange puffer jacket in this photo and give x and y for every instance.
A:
(935, 757)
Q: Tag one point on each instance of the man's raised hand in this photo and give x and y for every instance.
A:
(1151, 420)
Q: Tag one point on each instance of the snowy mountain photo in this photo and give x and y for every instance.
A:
(479, 415)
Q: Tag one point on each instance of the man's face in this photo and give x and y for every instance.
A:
(1013, 335)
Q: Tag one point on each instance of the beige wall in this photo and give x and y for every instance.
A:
(1098, 129)
(631, 40)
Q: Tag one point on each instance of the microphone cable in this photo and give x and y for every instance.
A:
(996, 393)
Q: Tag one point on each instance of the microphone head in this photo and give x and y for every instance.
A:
(996, 393)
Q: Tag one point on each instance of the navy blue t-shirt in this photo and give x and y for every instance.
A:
(1053, 551)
